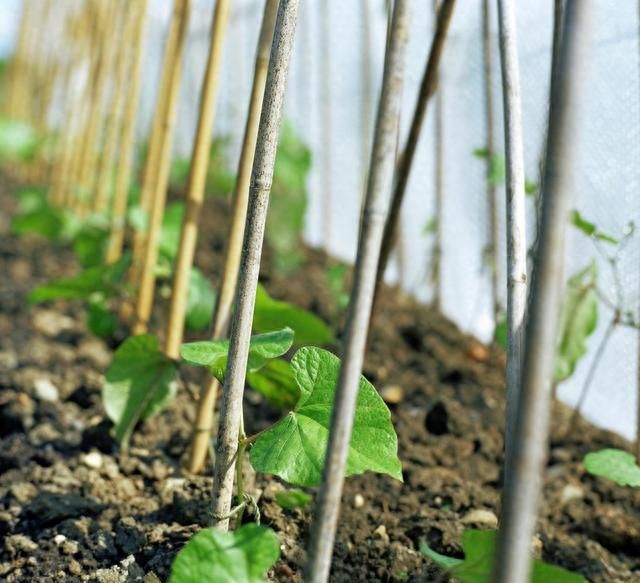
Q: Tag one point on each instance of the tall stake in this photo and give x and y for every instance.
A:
(378, 190)
(197, 182)
(427, 89)
(516, 224)
(127, 143)
(261, 179)
(146, 290)
(524, 482)
(638, 363)
(491, 250)
(438, 186)
(326, 118)
(206, 404)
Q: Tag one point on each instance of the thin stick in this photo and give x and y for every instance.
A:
(208, 395)
(146, 290)
(427, 89)
(367, 90)
(197, 182)
(326, 119)
(523, 484)
(378, 190)
(262, 176)
(638, 364)
(516, 224)
(17, 65)
(492, 192)
(127, 144)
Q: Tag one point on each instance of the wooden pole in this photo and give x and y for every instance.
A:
(197, 182)
(261, 179)
(524, 482)
(146, 290)
(208, 395)
(378, 190)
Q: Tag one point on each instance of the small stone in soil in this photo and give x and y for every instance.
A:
(18, 543)
(358, 501)
(45, 390)
(92, 459)
(481, 517)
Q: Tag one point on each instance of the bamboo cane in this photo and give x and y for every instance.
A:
(127, 144)
(144, 301)
(523, 483)
(516, 223)
(208, 395)
(197, 182)
(428, 87)
(361, 302)
(104, 181)
(17, 65)
(492, 191)
(261, 179)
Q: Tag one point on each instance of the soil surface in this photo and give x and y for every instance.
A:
(72, 508)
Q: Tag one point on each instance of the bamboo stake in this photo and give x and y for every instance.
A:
(428, 87)
(380, 185)
(151, 167)
(18, 64)
(492, 191)
(127, 144)
(438, 185)
(516, 223)
(208, 395)
(638, 363)
(261, 178)
(523, 484)
(326, 119)
(197, 183)
(144, 301)
(104, 182)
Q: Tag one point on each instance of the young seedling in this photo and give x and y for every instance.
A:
(614, 464)
(344, 411)
(524, 483)
(479, 548)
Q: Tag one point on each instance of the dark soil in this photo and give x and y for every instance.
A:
(72, 508)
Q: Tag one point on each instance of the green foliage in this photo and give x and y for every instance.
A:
(273, 314)
(89, 244)
(479, 556)
(294, 448)
(292, 499)
(214, 353)
(497, 168)
(578, 321)
(169, 237)
(288, 200)
(200, 301)
(40, 221)
(590, 229)
(19, 141)
(103, 281)
(614, 464)
(100, 320)
(430, 226)
(243, 556)
(276, 383)
(336, 276)
(140, 382)
(500, 332)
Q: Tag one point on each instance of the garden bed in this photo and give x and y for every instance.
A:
(73, 509)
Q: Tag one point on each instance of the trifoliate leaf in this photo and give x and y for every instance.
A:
(243, 556)
(140, 382)
(294, 448)
(276, 383)
(479, 556)
(578, 321)
(615, 464)
(213, 353)
(273, 314)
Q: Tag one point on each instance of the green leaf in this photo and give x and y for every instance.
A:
(276, 383)
(213, 353)
(500, 333)
(273, 314)
(530, 187)
(430, 226)
(477, 566)
(140, 382)
(103, 280)
(100, 320)
(335, 275)
(201, 298)
(578, 321)
(40, 221)
(169, 238)
(138, 218)
(292, 499)
(89, 245)
(615, 464)
(18, 140)
(294, 448)
(590, 229)
(243, 556)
